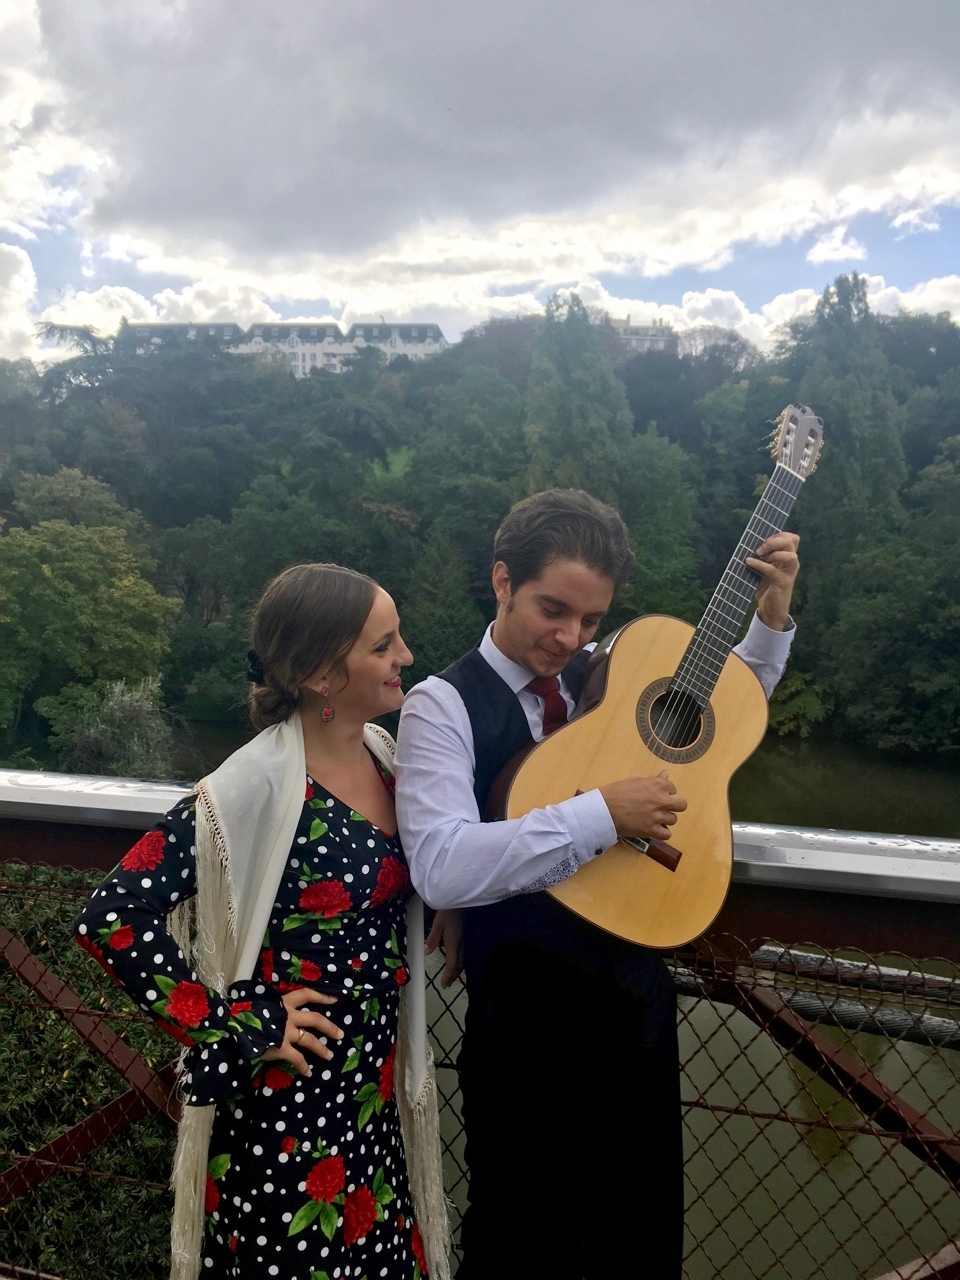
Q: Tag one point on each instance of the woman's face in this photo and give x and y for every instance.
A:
(368, 683)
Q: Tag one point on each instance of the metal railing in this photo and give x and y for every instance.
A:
(820, 1088)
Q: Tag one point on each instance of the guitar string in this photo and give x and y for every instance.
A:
(699, 671)
(689, 680)
(703, 661)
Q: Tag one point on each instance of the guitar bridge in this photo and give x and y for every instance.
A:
(661, 852)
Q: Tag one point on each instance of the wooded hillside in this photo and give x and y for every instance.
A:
(148, 498)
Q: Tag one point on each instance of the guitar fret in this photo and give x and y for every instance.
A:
(717, 631)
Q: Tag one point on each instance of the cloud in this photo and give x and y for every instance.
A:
(914, 222)
(932, 296)
(256, 129)
(101, 309)
(105, 307)
(40, 155)
(707, 307)
(18, 285)
(835, 247)
(263, 158)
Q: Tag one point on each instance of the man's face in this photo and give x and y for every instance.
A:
(549, 619)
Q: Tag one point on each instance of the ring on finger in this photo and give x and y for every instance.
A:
(300, 1036)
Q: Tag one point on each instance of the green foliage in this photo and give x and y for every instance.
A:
(659, 511)
(439, 619)
(112, 728)
(179, 473)
(73, 608)
(902, 689)
(71, 495)
(799, 703)
(578, 419)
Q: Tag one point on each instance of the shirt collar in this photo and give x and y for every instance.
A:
(510, 672)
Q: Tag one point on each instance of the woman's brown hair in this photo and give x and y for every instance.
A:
(308, 617)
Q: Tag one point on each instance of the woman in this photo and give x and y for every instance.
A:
(288, 889)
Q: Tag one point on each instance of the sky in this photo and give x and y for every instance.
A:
(691, 161)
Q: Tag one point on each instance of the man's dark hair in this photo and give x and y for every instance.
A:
(563, 524)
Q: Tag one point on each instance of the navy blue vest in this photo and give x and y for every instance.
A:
(535, 920)
(497, 719)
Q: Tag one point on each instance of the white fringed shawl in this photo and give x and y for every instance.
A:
(247, 816)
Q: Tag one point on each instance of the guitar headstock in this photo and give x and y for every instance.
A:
(797, 440)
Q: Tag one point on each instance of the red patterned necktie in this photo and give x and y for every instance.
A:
(554, 705)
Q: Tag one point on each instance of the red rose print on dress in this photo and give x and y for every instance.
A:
(321, 904)
(392, 880)
(212, 1196)
(146, 854)
(324, 1185)
(372, 1097)
(242, 1015)
(416, 1248)
(328, 898)
(288, 1145)
(275, 1078)
(326, 1179)
(121, 938)
(394, 961)
(118, 937)
(305, 970)
(187, 1004)
(385, 1088)
(217, 1167)
(360, 1212)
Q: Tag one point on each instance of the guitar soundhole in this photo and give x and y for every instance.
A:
(672, 724)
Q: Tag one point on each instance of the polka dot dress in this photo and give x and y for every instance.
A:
(306, 1177)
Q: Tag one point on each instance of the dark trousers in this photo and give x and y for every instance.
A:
(570, 1079)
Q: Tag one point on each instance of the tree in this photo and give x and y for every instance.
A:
(111, 728)
(502, 343)
(659, 512)
(79, 499)
(73, 610)
(854, 500)
(476, 428)
(438, 618)
(578, 419)
(926, 347)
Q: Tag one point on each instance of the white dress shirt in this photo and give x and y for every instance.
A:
(456, 859)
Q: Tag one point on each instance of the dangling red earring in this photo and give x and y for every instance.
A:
(326, 713)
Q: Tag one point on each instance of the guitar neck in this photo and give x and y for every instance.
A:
(720, 626)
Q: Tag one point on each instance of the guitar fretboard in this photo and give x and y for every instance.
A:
(719, 628)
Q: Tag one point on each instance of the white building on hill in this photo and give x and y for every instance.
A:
(308, 346)
(646, 337)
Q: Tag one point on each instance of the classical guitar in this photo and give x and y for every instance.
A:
(661, 694)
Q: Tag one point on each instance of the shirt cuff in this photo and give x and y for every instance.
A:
(591, 827)
(766, 644)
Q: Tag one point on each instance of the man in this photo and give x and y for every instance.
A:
(569, 1069)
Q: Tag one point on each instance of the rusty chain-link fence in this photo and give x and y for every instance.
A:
(821, 1101)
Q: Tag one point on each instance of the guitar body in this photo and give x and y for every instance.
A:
(624, 891)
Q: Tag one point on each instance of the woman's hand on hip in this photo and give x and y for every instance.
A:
(306, 1031)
